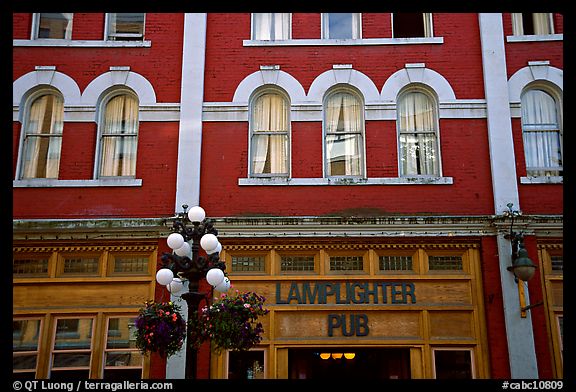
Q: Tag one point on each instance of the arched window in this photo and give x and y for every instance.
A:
(418, 134)
(42, 134)
(270, 128)
(118, 135)
(344, 134)
(541, 132)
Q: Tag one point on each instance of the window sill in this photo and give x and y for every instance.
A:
(340, 42)
(50, 183)
(535, 38)
(542, 180)
(348, 181)
(81, 44)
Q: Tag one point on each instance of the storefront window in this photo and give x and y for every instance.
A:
(122, 358)
(72, 350)
(246, 365)
(453, 364)
(25, 334)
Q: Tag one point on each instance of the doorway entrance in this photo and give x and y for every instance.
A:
(349, 363)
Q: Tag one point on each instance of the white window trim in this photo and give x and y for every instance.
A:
(271, 40)
(53, 183)
(520, 22)
(431, 95)
(535, 38)
(429, 20)
(286, 97)
(344, 42)
(100, 112)
(107, 27)
(334, 90)
(415, 180)
(323, 27)
(29, 100)
(36, 26)
(82, 43)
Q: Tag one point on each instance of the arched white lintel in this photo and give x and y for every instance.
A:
(343, 75)
(535, 71)
(121, 77)
(47, 76)
(269, 76)
(419, 74)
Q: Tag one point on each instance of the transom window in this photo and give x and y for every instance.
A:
(53, 26)
(346, 263)
(271, 26)
(418, 135)
(269, 140)
(43, 126)
(538, 23)
(248, 264)
(125, 26)
(341, 26)
(541, 133)
(344, 134)
(119, 136)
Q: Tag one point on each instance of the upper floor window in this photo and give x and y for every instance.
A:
(270, 26)
(532, 23)
(418, 135)
(341, 26)
(42, 132)
(270, 125)
(52, 26)
(344, 133)
(542, 135)
(118, 135)
(125, 26)
(411, 24)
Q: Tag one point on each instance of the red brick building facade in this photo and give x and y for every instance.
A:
(332, 151)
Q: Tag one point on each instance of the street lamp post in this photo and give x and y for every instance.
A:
(185, 264)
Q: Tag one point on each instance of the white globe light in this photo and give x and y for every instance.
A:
(215, 276)
(164, 276)
(209, 242)
(217, 250)
(175, 286)
(224, 286)
(175, 240)
(196, 214)
(184, 250)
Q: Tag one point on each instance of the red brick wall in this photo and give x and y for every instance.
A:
(228, 62)
(464, 155)
(156, 166)
(161, 63)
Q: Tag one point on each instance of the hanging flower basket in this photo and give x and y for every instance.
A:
(160, 328)
(230, 323)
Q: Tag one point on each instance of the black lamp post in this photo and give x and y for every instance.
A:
(186, 264)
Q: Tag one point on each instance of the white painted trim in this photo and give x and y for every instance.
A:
(542, 180)
(192, 96)
(412, 74)
(343, 42)
(271, 76)
(535, 71)
(535, 38)
(275, 181)
(55, 183)
(119, 77)
(80, 43)
(519, 333)
(46, 76)
(352, 77)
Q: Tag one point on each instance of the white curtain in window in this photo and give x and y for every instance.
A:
(42, 153)
(343, 134)
(542, 25)
(271, 26)
(418, 139)
(119, 137)
(270, 135)
(517, 25)
(427, 24)
(541, 134)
